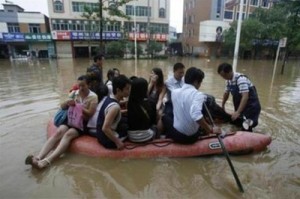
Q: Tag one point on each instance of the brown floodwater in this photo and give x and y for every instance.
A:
(30, 93)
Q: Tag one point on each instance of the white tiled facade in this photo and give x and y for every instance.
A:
(68, 26)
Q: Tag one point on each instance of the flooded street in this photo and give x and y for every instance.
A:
(30, 93)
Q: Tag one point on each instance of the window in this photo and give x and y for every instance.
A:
(265, 3)
(129, 10)
(142, 11)
(190, 19)
(34, 28)
(58, 6)
(79, 6)
(227, 15)
(218, 8)
(75, 6)
(128, 26)
(116, 26)
(139, 11)
(254, 2)
(13, 27)
(159, 28)
(162, 13)
(60, 25)
(237, 16)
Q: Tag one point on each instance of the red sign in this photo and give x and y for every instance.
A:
(144, 36)
(61, 35)
(139, 36)
(160, 37)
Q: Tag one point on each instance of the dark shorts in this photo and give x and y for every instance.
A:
(121, 130)
(175, 135)
(80, 132)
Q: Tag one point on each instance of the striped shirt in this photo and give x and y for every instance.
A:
(187, 108)
(241, 81)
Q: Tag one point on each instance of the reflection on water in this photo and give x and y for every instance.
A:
(30, 94)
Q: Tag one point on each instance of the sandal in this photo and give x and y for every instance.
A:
(33, 161)
(43, 163)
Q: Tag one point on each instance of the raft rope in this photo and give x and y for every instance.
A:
(164, 143)
(157, 144)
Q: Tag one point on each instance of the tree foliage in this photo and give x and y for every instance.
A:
(115, 49)
(112, 9)
(131, 48)
(154, 47)
(266, 27)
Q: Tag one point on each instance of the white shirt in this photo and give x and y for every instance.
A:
(110, 88)
(92, 123)
(171, 84)
(187, 108)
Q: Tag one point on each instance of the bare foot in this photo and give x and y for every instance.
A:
(43, 163)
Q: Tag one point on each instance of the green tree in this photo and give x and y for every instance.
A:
(293, 25)
(282, 20)
(95, 14)
(153, 48)
(116, 49)
(131, 47)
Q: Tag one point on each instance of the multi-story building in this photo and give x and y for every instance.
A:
(24, 34)
(201, 19)
(76, 36)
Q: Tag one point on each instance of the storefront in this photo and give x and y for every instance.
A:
(28, 45)
(142, 38)
(74, 44)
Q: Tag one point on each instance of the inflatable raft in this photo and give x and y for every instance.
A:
(237, 143)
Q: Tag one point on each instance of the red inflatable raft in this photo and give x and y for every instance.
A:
(236, 143)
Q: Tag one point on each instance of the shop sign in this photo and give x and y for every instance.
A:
(38, 37)
(144, 36)
(95, 35)
(61, 35)
(160, 37)
(13, 37)
(139, 36)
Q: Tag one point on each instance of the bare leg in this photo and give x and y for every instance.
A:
(52, 141)
(160, 127)
(61, 148)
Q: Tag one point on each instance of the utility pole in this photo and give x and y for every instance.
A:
(101, 25)
(238, 35)
(148, 26)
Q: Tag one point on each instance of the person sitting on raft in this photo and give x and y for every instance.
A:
(141, 116)
(187, 109)
(102, 94)
(57, 144)
(108, 132)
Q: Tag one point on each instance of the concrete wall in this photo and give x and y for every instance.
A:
(3, 27)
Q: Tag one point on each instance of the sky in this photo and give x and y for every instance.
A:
(41, 6)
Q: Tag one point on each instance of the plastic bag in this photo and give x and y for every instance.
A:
(75, 116)
(60, 117)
